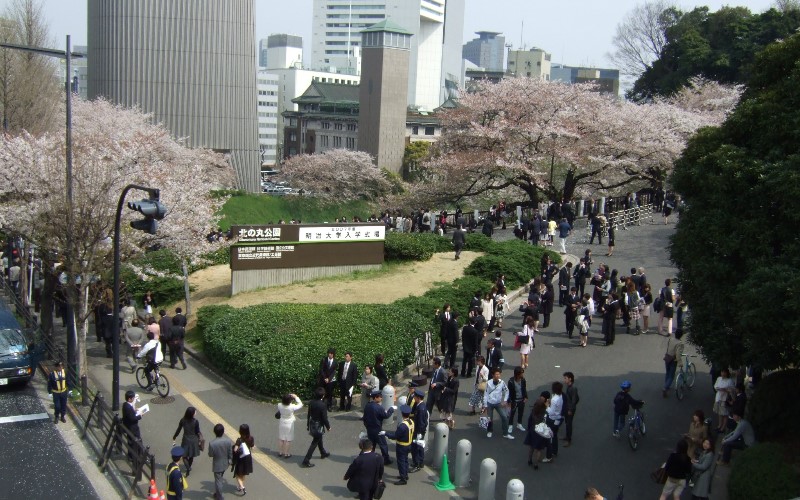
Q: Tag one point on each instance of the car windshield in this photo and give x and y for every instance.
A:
(12, 342)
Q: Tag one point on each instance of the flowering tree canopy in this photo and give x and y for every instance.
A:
(112, 147)
(338, 174)
(563, 140)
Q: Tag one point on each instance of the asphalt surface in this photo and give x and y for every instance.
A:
(36, 459)
(595, 458)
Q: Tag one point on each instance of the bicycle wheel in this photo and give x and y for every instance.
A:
(162, 386)
(633, 436)
(680, 382)
(141, 377)
(691, 375)
(642, 426)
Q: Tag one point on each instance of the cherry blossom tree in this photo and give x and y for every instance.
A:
(112, 147)
(339, 174)
(556, 140)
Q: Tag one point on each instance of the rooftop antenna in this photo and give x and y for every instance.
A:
(521, 31)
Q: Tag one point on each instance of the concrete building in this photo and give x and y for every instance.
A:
(267, 86)
(437, 27)
(284, 51)
(487, 51)
(327, 118)
(262, 53)
(383, 93)
(607, 79)
(533, 63)
(191, 64)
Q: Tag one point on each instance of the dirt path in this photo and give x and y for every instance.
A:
(212, 285)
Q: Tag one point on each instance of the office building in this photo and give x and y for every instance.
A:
(435, 55)
(606, 79)
(487, 51)
(284, 51)
(267, 86)
(383, 93)
(191, 64)
(262, 53)
(533, 63)
(326, 118)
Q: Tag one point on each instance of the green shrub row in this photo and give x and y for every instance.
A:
(276, 348)
(165, 290)
(767, 471)
(771, 413)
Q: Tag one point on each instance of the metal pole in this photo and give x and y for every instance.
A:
(72, 336)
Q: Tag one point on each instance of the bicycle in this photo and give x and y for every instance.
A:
(161, 381)
(686, 376)
(636, 428)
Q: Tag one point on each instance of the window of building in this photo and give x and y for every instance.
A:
(326, 125)
(351, 143)
(323, 141)
(292, 136)
(337, 142)
(351, 127)
(429, 130)
(338, 126)
(415, 130)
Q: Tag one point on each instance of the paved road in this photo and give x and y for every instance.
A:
(595, 458)
(36, 460)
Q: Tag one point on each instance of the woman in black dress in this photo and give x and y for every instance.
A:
(380, 371)
(191, 437)
(548, 297)
(447, 403)
(243, 457)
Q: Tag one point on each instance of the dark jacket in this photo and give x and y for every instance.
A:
(326, 372)
(364, 473)
(563, 277)
(176, 333)
(493, 358)
(348, 380)
(374, 415)
(459, 238)
(580, 274)
(130, 419)
(678, 466)
(623, 402)
(420, 417)
(547, 301)
(448, 400)
(512, 391)
(181, 319)
(470, 339)
(571, 399)
(318, 411)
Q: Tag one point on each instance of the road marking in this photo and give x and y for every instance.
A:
(24, 418)
(280, 473)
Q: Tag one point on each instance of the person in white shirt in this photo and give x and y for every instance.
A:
(496, 398)
(152, 350)
(553, 418)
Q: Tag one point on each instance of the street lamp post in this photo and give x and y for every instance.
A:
(553, 136)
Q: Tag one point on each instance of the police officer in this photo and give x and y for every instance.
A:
(57, 386)
(175, 480)
(419, 415)
(373, 418)
(403, 437)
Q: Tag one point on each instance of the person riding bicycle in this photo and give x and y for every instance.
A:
(154, 355)
(623, 401)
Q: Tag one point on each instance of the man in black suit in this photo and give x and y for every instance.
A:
(327, 376)
(130, 419)
(365, 472)
(179, 314)
(317, 423)
(581, 273)
(493, 357)
(564, 276)
(573, 303)
(459, 239)
(470, 344)
(348, 372)
(452, 341)
(444, 321)
(438, 380)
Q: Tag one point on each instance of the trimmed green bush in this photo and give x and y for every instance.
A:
(773, 410)
(276, 348)
(405, 247)
(207, 315)
(165, 290)
(767, 471)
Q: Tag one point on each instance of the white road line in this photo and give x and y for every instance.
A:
(24, 418)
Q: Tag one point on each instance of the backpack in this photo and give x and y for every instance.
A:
(657, 304)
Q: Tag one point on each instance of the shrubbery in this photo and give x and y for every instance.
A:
(165, 290)
(767, 471)
(772, 410)
(276, 348)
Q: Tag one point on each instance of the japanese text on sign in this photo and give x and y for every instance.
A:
(342, 233)
(263, 252)
(252, 234)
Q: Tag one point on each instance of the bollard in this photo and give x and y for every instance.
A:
(463, 463)
(441, 435)
(515, 490)
(487, 480)
(601, 209)
(388, 398)
(519, 216)
(581, 204)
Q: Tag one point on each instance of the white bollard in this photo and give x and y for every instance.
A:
(581, 204)
(519, 217)
(488, 478)
(601, 209)
(388, 397)
(441, 436)
(463, 463)
(515, 490)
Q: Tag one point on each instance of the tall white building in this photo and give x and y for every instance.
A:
(267, 85)
(437, 28)
(284, 51)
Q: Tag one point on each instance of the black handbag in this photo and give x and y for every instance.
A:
(379, 490)
(315, 428)
(659, 475)
(278, 414)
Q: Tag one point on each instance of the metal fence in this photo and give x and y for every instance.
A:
(120, 452)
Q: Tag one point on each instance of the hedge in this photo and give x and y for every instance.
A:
(772, 411)
(767, 471)
(165, 290)
(276, 348)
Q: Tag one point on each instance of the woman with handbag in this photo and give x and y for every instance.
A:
(539, 435)
(243, 457)
(289, 404)
(677, 468)
(447, 403)
(724, 387)
(525, 341)
(190, 442)
(481, 378)
(703, 470)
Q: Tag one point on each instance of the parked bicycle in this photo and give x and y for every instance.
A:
(161, 381)
(636, 426)
(686, 376)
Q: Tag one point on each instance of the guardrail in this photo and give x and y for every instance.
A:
(121, 453)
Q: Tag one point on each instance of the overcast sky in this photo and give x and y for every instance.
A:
(575, 32)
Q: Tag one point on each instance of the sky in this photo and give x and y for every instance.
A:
(575, 32)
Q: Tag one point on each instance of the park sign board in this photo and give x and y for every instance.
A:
(287, 246)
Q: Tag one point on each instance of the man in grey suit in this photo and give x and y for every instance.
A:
(220, 450)
(459, 239)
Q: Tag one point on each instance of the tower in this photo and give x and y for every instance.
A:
(192, 64)
(383, 93)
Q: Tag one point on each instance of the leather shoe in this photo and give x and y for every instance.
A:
(63, 419)
(306, 465)
(388, 462)
(326, 455)
(401, 482)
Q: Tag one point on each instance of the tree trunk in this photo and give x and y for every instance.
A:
(48, 289)
(569, 185)
(185, 269)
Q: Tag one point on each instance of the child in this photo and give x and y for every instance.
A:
(622, 404)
